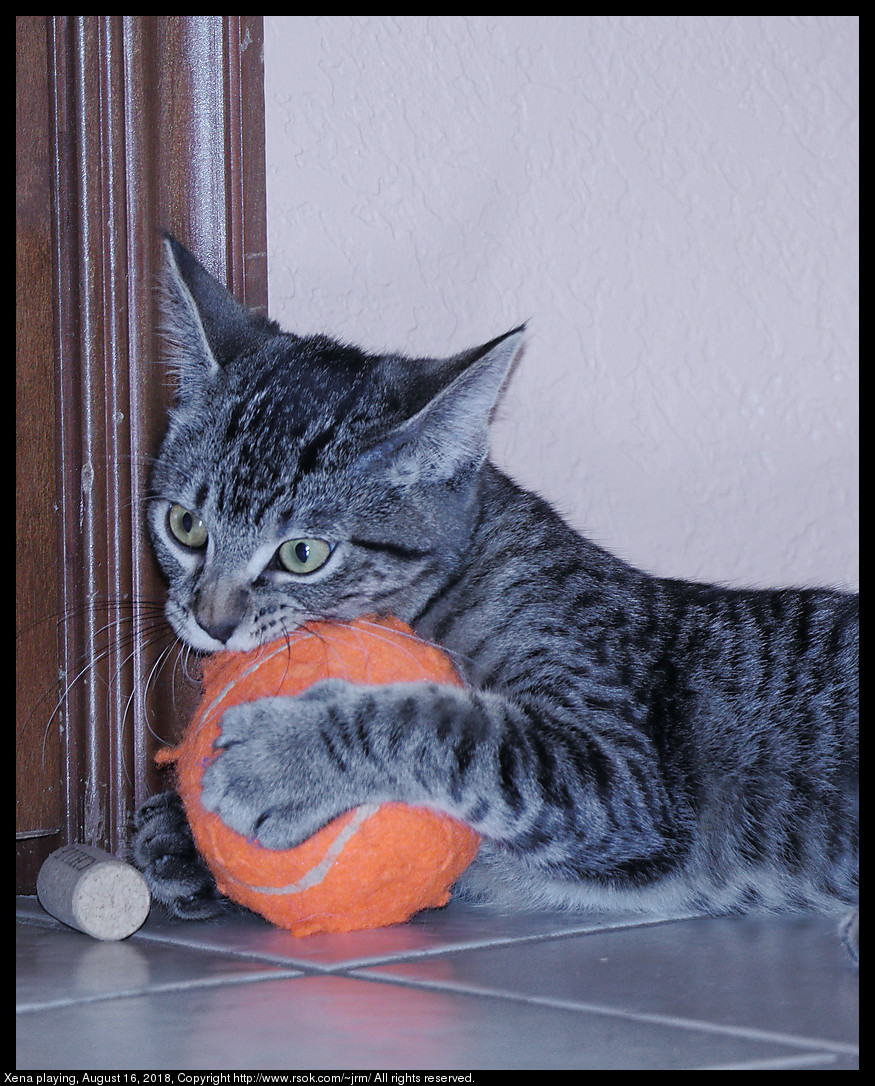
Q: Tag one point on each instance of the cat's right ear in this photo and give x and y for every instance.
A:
(204, 324)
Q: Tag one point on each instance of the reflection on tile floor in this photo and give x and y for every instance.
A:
(461, 988)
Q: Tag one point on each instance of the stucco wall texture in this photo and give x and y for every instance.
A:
(672, 204)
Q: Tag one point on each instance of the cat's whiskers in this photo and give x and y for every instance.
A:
(146, 628)
(152, 676)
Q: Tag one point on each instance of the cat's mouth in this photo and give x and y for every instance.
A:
(191, 633)
(217, 637)
(241, 636)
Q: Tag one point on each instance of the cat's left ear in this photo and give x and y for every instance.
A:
(204, 323)
(450, 434)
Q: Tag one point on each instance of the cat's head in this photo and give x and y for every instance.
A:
(301, 478)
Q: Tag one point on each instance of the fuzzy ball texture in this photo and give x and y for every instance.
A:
(374, 865)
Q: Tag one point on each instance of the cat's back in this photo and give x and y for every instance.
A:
(790, 653)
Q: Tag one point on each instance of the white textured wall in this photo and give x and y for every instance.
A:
(670, 200)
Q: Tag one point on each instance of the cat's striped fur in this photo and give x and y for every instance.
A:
(623, 739)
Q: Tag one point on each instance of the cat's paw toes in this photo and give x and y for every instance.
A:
(162, 848)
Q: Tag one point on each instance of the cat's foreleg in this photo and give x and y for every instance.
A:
(576, 797)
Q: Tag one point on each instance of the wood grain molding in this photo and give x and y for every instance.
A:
(153, 122)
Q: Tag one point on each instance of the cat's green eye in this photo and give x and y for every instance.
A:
(187, 527)
(303, 555)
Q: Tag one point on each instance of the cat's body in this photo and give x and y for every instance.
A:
(623, 740)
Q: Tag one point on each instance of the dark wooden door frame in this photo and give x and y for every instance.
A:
(155, 122)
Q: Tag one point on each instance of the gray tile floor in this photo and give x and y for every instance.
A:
(457, 989)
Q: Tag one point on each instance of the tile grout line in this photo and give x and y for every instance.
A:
(360, 969)
(694, 1024)
(400, 957)
(779, 1063)
(159, 989)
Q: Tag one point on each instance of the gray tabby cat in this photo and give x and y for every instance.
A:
(623, 740)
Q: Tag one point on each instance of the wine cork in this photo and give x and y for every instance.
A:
(93, 892)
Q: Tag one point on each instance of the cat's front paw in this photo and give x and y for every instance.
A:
(162, 848)
(281, 773)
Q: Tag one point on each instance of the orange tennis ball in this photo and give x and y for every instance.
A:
(373, 866)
